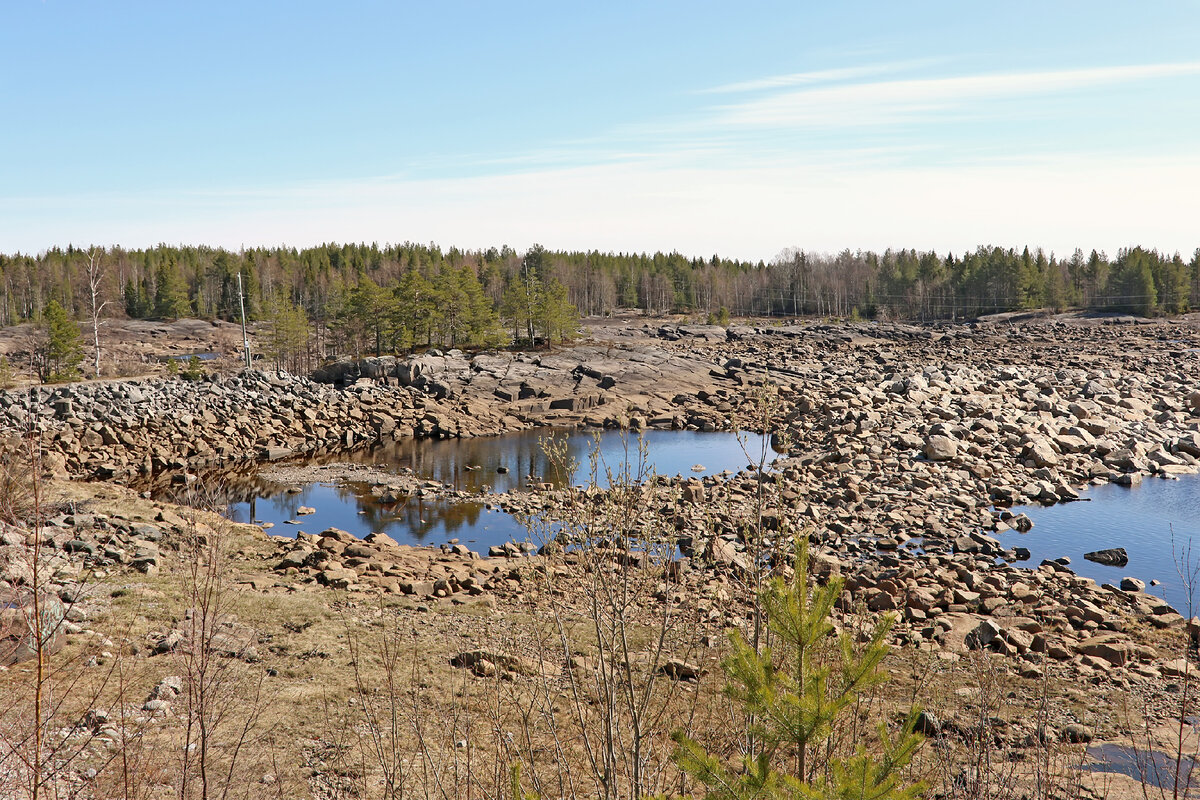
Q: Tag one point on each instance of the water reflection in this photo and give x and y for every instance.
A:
(353, 507)
(502, 463)
(1158, 524)
(476, 466)
(1151, 767)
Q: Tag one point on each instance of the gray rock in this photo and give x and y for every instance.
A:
(1040, 452)
(940, 448)
(983, 635)
(681, 670)
(1076, 733)
(158, 708)
(1113, 556)
(18, 641)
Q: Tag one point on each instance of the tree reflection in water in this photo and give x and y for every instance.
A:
(477, 466)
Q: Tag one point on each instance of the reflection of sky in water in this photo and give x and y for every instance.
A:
(418, 520)
(1154, 522)
(523, 453)
(415, 520)
(190, 356)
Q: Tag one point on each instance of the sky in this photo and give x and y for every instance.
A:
(699, 127)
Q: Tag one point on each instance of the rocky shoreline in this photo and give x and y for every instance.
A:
(122, 430)
(904, 447)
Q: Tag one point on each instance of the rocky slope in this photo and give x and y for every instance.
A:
(902, 449)
(896, 435)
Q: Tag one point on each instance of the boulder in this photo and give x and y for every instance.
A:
(337, 578)
(1178, 668)
(18, 641)
(1108, 647)
(342, 371)
(477, 659)
(983, 635)
(940, 448)
(681, 670)
(1113, 557)
(1041, 453)
(1076, 733)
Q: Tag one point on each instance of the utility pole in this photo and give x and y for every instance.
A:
(242, 306)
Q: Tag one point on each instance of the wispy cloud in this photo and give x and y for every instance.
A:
(882, 102)
(746, 212)
(816, 77)
(800, 159)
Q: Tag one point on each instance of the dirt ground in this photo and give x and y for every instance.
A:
(343, 683)
(134, 348)
(336, 676)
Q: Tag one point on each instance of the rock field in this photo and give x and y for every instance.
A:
(903, 447)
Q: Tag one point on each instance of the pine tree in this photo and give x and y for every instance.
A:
(1173, 285)
(1194, 270)
(796, 697)
(1030, 288)
(1135, 281)
(137, 299)
(170, 296)
(62, 345)
(413, 309)
(131, 299)
(556, 317)
(250, 289)
(450, 304)
(287, 339)
(372, 306)
(518, 307)
(1097, 272)
(481, 325)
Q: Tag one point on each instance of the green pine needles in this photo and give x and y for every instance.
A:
(799, 697)
(60, 350)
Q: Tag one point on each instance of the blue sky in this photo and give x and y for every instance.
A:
(700, 127)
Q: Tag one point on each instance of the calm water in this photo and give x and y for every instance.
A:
(351, 507)
(474, 465)
(486, 464)
(1151, 767)
(210, 356)
(1157, 523)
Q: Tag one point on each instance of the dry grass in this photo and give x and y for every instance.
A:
(332, 663)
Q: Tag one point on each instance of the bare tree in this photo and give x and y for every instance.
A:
(95, 278)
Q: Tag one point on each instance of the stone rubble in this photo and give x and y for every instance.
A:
(902, 449)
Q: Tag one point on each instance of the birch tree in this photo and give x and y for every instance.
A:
(95, 282)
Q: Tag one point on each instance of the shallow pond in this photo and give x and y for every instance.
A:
(501, 463)
(1158, 524)
(480, 465)
(1153, 768)
(209, 356)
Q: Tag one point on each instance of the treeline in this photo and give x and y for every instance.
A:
(362, 298)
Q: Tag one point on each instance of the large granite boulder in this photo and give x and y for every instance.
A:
(18, 626)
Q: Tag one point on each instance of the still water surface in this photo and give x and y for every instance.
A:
(1158, 524)
(487, 464)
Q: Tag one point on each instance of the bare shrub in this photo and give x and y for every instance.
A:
(44, 733)
(615, 650)
(224, 750)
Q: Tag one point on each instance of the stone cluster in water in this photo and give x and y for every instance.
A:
(905, 446)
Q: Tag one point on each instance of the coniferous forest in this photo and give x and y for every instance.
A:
(362, 299)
